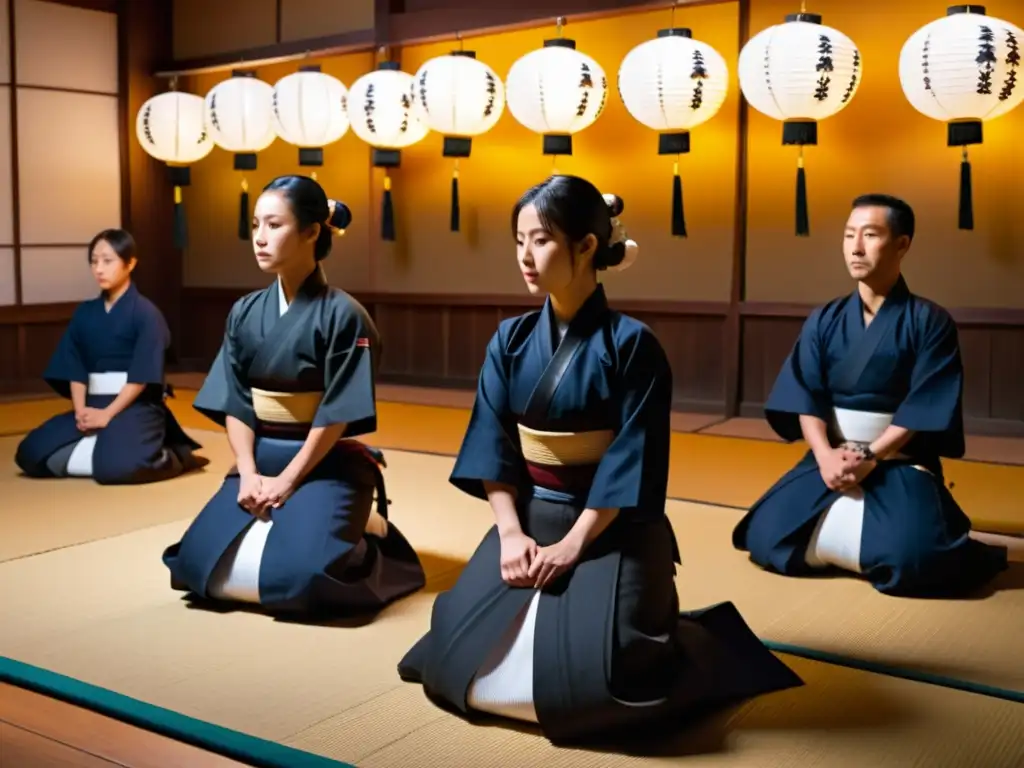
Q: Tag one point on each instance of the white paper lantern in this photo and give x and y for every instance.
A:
(800, 72)
(240, 115)
(556, 91)
(381, 113)
(240, 118)
(171, 127)
(310, 111)
(380, 110)
(964, 69)
(459, 97)
(672, 84)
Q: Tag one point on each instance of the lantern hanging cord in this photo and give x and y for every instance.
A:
(462, 45)
(803, 6)
(559, 23)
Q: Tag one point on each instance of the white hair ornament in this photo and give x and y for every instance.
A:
(619, 235)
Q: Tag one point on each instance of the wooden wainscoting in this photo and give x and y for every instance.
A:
(28, 336)
(440, 340)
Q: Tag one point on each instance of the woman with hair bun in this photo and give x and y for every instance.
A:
(567, 614)
(292, 527)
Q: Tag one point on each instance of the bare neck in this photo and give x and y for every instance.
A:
(874, 292)
(110, 297)
(565, 304)
(293, 279)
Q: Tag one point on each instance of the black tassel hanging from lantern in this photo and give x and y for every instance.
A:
(455, 213)
(802, 133)
(803, 219)
(962, 134)
(244, 161)
(457, 147)
(180, 176)
(387, 213)
(676, 144)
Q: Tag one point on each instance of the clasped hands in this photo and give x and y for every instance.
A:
(91, 419)
(844, 467)
(524, 564)
(258, 494)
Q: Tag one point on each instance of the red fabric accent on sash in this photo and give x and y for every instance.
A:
(362, 341)
(561, 477)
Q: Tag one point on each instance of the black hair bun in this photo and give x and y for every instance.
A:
(615, 204)
(340, 215)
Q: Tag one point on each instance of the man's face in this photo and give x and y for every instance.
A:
(869, 247)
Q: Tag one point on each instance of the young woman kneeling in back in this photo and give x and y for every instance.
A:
(110, 364)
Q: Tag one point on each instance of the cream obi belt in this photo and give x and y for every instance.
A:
(285, 408)
(563, 460)
(863, 427)
(107, 383)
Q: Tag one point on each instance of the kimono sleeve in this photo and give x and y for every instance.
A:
(349, 371)
(800, 389)
(490, 450)
(933, 406)
(633, 473)
(224, 392)
(67, 364)
(152, 338)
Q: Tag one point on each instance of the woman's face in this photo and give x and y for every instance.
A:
(548, 263)
(276, 238)
(108, 269)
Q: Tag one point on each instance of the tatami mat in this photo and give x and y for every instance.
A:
(103, 613)
(39, 515)
(705, 468)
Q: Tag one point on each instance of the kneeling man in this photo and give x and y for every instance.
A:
(874, 386)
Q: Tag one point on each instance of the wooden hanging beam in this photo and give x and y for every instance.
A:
(398, 23)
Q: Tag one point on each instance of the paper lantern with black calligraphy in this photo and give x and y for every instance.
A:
(171, 128)
(800, 72)
(459, 97)
(240, 118)
(962, 70)
(556, 91)
(673, 84)
(380, 111)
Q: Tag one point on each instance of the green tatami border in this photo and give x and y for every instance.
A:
(199, 733)
(892, 670)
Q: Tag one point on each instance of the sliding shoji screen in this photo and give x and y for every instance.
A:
(67, 138)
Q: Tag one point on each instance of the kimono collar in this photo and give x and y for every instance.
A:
(896, 298)
(309, 290)
(589, 315)
(129, 293)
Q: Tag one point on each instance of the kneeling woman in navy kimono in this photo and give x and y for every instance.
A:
(567, 614)
(292, 527)
(110, 364)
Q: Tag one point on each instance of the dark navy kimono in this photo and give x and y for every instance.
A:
(906, 362)
(144, 442)
(318, 555)
(610, 649)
